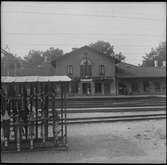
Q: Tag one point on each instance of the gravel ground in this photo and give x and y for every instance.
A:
(119, 142)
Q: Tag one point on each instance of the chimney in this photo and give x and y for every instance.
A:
(155, 63)
(164, 63)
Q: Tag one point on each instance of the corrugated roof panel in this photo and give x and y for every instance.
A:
(59, 78)
(43, 78)
(31, 78)
(3, 78)
(20, 79)
(10, 79)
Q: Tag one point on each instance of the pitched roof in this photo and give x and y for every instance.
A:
(10, 79)
(124, 70)
(78, 49)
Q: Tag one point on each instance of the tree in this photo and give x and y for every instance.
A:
(39, 62)
(103, 47)
(158, 54)
(10, 64)
(31, 62)
(51, 54)
(34, 58)
(35, 63)
(119, 56)
(107, 49)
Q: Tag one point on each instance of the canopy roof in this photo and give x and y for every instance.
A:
(10, 79)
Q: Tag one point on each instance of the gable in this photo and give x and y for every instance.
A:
(82, 50)
(75, 58)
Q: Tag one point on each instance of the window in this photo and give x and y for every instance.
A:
(146, 86)
(101, 70)
(157, 86)
(69, 69)
(134, 87)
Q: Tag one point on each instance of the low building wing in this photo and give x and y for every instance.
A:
(124, 70)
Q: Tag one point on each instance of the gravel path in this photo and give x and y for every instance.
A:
(120, 142)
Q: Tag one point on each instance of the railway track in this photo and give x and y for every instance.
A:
(114, 114)
(116, 109)
(115, 118)
(112, 109)
(117, 101)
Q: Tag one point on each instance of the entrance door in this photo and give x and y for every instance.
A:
(86, 88)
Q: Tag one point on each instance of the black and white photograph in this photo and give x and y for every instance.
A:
(83, 82)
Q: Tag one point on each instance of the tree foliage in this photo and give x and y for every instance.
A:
(35, 63)
(120, 56)
(9, 63)
(34, 58)
(158, 54)
(107, 49)
(103, 47)
(52, 53)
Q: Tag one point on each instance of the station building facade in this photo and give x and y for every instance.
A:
(93, 73)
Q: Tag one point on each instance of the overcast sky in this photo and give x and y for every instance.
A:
(132, 27)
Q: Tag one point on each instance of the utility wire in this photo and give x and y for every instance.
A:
(94, 34)
(63, 44)
(89, 15)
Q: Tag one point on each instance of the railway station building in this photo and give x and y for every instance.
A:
(94, 74)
